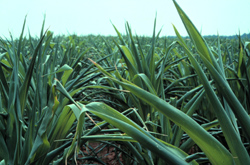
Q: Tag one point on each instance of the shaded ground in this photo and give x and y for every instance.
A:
(99, 153)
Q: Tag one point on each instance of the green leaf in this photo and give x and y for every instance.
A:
(212, 147)
(198, 40)
(26, 83)
(233, 140)
(67, 72)
(63, 124)
(41, 145)
(4, 153)
(168, 153)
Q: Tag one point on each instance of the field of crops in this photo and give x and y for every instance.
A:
(125, 99)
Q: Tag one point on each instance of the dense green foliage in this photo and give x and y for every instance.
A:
(156, 100)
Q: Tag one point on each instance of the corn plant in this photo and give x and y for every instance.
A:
(33, 112)
(227, 121)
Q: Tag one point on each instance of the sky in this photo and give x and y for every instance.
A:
(83, 17)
